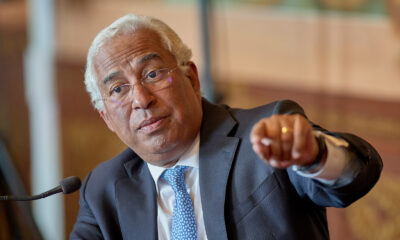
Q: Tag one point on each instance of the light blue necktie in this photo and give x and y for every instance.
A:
(183, 218)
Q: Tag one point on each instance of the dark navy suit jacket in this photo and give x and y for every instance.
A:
(242, 197)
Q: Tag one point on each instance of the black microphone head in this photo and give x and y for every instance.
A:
(70, 184)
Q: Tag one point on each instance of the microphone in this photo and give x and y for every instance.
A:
(67, 185)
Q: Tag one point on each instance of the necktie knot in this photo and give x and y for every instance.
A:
(176, 178)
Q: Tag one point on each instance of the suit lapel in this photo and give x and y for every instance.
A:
(136, 196)
(217, 151)
(137, 202)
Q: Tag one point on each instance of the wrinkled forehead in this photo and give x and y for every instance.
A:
(131, 49)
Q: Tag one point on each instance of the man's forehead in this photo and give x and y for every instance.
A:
(131, 61)
(141, 38)
(135, 49)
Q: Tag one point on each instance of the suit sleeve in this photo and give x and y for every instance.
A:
(86, 226)
(359, 151)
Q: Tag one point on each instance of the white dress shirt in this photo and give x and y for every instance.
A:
(338, 169)
(166, 197)
(335, 169)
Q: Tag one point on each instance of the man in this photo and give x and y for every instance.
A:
(195, 170)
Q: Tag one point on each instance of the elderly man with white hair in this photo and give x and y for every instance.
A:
(196, 170)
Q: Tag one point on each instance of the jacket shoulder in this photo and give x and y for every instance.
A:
(248, 117)
(104, 176)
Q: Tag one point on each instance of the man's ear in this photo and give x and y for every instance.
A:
(193, 76)
(104, 116)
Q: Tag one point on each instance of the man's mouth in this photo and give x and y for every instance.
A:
(152, 124)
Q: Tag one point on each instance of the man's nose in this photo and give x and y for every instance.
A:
(141, 97)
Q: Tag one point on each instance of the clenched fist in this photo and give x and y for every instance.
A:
(284, 140)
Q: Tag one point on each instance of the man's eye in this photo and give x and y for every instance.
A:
(152, 74)
(117, 90)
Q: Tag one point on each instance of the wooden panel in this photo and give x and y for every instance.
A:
(86, 140)
(14, 117)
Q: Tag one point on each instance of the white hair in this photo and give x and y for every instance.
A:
(125, 25)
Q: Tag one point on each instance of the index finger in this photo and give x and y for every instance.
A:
(258, 132)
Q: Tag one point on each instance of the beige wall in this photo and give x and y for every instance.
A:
(351, 55)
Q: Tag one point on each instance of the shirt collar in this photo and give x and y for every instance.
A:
(189, 158)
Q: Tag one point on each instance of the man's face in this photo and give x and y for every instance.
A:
(160, 125)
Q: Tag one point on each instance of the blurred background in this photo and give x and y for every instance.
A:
(340, 59)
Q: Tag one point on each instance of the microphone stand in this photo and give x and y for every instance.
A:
(10, 176)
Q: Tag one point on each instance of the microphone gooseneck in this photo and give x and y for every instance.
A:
(67, 185)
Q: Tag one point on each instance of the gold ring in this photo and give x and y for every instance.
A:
(286, 129)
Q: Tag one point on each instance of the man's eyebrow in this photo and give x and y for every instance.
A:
(142, 60)
(148, 57)
(110, 77)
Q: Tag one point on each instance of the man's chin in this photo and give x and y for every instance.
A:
(162, 154)
(162, 148)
